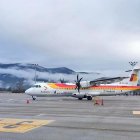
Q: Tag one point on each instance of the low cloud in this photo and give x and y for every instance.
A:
(30, 74)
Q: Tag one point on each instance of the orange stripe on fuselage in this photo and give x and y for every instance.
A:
(65, 85)
(104, 87)
(115, 87)
(61, 86)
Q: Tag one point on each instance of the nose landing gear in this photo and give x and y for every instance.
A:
(89, 98)
(33, 98)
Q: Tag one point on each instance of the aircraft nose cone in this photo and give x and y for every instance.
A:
(27, 91)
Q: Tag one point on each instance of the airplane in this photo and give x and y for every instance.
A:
(87, 89)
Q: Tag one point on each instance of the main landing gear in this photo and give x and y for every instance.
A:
(33, 98)
(89, 98)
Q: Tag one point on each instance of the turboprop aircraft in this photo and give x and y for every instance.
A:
(87, 89)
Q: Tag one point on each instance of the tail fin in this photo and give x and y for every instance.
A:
(133, 80)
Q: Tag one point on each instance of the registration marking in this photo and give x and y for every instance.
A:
(21, 125)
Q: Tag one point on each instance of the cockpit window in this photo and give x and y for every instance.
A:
(36, 86)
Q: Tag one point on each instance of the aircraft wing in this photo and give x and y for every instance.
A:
(106, 80)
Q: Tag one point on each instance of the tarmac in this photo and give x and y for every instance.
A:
(66, 118)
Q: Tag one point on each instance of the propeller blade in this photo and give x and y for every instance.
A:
(77, 83)
(77, 77)
(80, 79)
(78, 89)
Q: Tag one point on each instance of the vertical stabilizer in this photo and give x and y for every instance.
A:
(134, 77)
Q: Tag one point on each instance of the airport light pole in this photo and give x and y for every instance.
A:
(133, 63)
(35, 65)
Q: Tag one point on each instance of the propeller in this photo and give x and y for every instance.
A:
(78, 85)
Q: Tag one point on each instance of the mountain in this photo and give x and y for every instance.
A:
(19, 66)
(9, 80)
(15, 74)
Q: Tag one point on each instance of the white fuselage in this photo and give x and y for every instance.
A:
(58, 89)
(87, 88)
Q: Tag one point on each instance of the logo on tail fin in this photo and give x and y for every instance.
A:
(134, 78)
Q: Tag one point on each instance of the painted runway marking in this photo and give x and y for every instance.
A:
(40, 115)
(21, 125)
(136, 112)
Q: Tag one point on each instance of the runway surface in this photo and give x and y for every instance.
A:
(57, 118)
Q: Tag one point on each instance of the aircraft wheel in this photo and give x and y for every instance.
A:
(89, 98)
(33, 98)
(80, 98)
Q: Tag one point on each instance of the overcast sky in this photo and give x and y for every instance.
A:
(79, 34)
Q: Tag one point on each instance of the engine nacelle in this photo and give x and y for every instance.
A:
(85, 84)
(79, 95)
